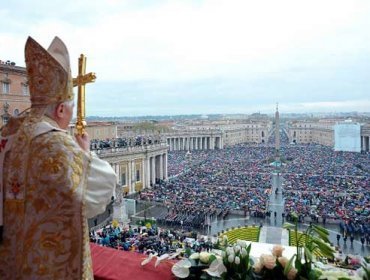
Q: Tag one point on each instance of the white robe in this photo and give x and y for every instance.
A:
(50, 188)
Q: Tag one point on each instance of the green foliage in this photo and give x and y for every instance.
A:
(314, 241)
(365, 268)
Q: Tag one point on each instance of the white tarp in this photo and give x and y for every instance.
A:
(347, 137)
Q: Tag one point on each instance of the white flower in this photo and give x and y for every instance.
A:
(223, 254)
(174, 255)
(332, 275)
(161, 258)
(242, 243)
(148, 259)
(216, 268)
(231, 258)
(237, 260)
(237, 249)
(204, 257)
(194, 256)
(243, 252)
(181, 268)
(229, 250)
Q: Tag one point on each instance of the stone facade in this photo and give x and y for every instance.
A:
(322, 132)
(217, 135)
(137, 167)
(98, 130)
(14, 91)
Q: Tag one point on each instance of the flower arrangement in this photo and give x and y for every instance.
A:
(274, 266)
(234, 261)
(315, 240)
(365, 269)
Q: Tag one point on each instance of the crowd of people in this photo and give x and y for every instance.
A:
(319, 184)
(213, 184)
(123, 142)
(146, 240)
(323, 184)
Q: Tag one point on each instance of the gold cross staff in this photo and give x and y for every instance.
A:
(81, 80)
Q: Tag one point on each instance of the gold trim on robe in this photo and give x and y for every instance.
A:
(46, 178)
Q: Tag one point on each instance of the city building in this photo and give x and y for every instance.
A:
(98, 130)
(14, 91)
(322, 131)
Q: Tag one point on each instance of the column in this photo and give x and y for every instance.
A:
(118, 172)
(153, 170)
(165, 162)
(147, 172)
(363, 143)
(115, 165)
(143, 173)
(196, 143)
(133, 176)
(201, 143)
(161, 167)
(129, 176)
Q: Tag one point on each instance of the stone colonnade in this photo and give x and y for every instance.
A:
(139, 167)
(189, 143)
(365, 145)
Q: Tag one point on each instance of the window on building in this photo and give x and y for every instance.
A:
(16, 112)
(25, 89)
(6, 87)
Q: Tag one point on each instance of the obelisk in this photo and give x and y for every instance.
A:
(277, 134)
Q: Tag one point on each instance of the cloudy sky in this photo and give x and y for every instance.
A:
(201, 57)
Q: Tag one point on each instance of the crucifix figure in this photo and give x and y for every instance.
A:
(80, 81)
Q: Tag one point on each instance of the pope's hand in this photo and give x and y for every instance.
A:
(83, 141)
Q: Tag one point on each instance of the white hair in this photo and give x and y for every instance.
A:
(50, 109)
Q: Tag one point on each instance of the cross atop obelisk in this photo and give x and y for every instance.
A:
(81, 80)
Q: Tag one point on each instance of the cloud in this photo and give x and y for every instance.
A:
(182, 55)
